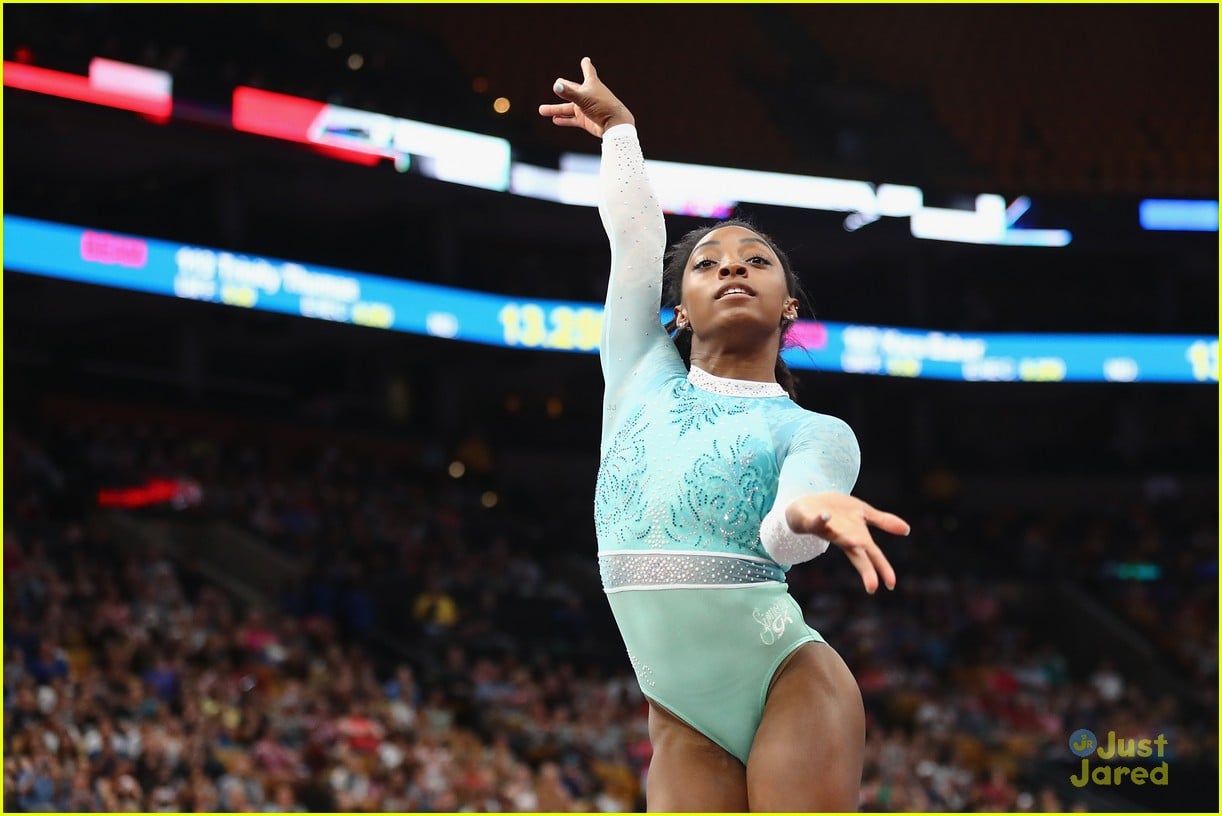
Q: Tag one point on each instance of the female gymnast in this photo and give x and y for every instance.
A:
(712, 483)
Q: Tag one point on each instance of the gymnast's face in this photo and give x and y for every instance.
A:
(734, 282)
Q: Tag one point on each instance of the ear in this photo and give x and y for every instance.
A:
(790, 312)
(680, 318)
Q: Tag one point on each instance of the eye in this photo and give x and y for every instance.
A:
(703, 263)
(759, 259)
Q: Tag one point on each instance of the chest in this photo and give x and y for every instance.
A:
(688, 443)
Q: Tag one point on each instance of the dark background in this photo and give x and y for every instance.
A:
(1086, 109)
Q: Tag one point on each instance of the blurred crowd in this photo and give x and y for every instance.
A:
(131, 685)
(441, 655)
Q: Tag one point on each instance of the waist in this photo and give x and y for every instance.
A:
(624, 570)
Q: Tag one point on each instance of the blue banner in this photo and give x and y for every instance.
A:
(253, 282)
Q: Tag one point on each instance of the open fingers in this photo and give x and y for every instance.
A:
(862, 551)
(871, 564)
(883, 520)
(865, 567)
(558, 109)
(882, 566)
(565, 88)
(887, 521)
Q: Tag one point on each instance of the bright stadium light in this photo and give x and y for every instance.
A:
(479, 160)
(1178, 214)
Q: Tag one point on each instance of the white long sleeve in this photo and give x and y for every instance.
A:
(633, 220)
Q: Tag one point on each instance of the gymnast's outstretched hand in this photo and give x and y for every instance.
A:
(588, 104)
(845, 521)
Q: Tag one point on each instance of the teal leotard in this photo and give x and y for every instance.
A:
(691, 464)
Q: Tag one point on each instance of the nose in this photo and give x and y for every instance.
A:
(733, 269)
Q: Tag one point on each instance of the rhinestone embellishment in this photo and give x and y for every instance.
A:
(733, 388)
(660, 569)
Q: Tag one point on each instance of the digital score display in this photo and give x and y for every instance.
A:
(254, 282)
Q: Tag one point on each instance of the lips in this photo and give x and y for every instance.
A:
(734, 288)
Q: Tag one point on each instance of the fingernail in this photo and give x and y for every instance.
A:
(869, 591)
(891, 586)
(825, 517)
(559, 87)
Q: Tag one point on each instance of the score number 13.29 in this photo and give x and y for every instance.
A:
(563, 328)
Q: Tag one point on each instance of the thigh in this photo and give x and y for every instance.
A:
(689, 772)
(810, 746)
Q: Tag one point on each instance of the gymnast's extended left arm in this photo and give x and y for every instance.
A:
(813, 507)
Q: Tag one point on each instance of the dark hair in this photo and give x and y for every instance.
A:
(672, 292)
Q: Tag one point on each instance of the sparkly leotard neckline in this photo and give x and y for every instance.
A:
(733, 388)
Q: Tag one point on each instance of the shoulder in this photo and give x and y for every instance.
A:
(823, 435)
(800, 423)
(825, 425)
(648, 380)
(658, 366)
(827, 444)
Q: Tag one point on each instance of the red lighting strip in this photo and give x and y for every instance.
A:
(157, 491)
(73, 86)
(277, 115)
(287, 117)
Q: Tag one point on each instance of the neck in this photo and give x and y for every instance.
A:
(755, 365)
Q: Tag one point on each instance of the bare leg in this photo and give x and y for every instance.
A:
(810, 746)
(689, 772)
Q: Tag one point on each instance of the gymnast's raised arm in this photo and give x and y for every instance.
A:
(631, 216)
